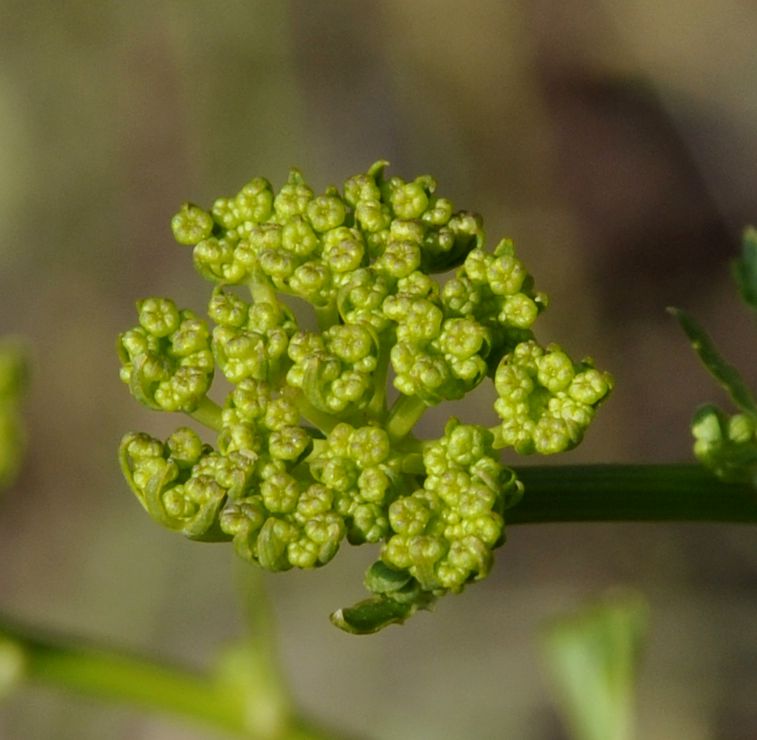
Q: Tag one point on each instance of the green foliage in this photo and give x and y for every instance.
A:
(745, 268)
(727, 375)
(727, 445)
(309, 451)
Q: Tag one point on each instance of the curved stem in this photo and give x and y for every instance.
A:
(208, 413)
(109, 674)
(262, 292)
(631, 493)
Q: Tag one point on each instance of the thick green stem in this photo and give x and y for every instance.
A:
(262, 292)
(404, 415)
(208, 413)
(586, 493)
(108, 674)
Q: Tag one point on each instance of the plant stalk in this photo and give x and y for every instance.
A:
(404, 415)
(208, 413)
(630, 493)
(105, 673)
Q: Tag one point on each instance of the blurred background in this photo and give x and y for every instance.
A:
(615, 142)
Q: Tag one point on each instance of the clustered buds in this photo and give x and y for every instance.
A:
(441, 536)
(444, 532)
(309, 450)
(166, 360)
(727, 445)
(546, 401)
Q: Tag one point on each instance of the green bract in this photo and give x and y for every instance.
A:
(308, 450)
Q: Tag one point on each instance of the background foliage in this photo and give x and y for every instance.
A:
(614, 141)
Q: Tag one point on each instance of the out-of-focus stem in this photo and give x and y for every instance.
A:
(105, 673)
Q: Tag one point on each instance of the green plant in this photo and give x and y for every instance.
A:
(310, 448)
(343, 342)
(727, 444)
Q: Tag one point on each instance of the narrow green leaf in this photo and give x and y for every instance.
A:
(745, 268)
(725, 374)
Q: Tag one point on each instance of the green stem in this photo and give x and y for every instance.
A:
(404, 415)
(377, 406)
(105, 673)
(319, 419)
(208, 413)
(100, 672)
(262, 292)
(631, 493)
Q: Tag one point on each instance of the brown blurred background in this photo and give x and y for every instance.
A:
(615, 142)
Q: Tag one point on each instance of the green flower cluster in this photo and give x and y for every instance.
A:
(309, 450)
(12, 382)
(546, 401)
(166, 360)
(727, 445)
(365, 474)
(444, 532)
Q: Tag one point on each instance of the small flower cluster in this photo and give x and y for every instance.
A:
(444, 532)
(309, 451)
(546, 401)
(166, 359)
(727, 445)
